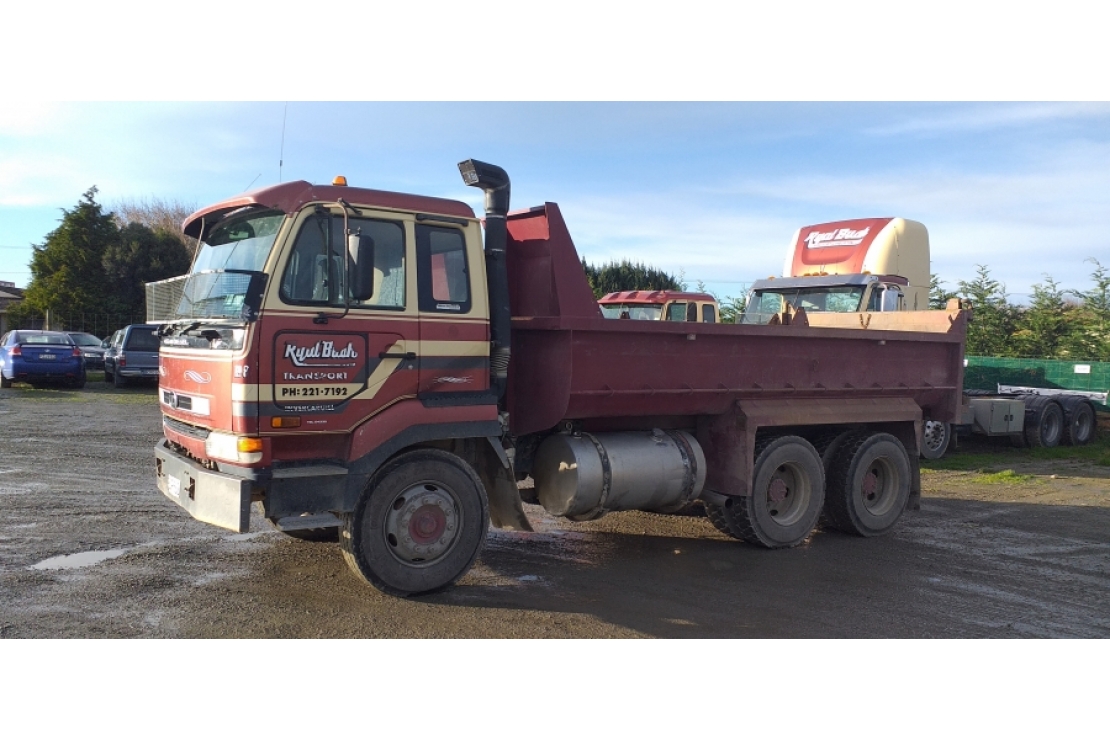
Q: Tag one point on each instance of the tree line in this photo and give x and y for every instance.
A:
(1058, 323)
(96, 263)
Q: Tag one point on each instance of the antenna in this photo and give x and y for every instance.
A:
(281, 156)
(248, 187)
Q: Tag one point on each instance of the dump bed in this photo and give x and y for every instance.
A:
(569, 363)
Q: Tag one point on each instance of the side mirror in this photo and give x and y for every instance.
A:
(360, 259)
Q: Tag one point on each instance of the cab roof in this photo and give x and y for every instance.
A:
(654, 296)
(290, 197)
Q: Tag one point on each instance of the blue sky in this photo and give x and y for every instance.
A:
(714, 190)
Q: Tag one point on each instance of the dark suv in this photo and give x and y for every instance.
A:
(132, 354)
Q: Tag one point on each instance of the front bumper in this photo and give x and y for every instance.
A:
(208, 496)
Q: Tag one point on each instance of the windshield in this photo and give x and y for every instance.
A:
(227, 277)
(241, 243)
(643, 311)
(765, 304)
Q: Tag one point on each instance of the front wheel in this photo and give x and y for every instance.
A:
(419, 525)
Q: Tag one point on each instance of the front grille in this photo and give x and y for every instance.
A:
(187, 429)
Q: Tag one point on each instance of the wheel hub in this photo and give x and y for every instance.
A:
(870, 485)
(423, 523)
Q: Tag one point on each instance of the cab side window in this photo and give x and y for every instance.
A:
(708, 313)
(676, 312)
(443, 274)
(315, 272)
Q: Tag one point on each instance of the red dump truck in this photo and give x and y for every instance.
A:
(363, 359)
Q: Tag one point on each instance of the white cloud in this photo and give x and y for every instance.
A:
(977, 118)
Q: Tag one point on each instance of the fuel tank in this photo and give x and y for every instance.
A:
(584, 476)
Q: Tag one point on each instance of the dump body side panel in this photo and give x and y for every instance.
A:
(570, 364)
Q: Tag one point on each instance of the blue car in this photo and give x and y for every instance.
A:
(33, 356)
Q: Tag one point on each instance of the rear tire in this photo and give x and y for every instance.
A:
(1080, 424)
(419, 525)
(118, 381)
(936, 436)
(869, 485)
(788, 483)
(4, 382)
(1044, 422)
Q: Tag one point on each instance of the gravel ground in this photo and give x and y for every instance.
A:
(89, 548)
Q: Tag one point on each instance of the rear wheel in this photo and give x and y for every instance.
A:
(118, 381)
(788, 482)
(869, 485)
(418, 526)
(1044, 422)
(1079, 428)
(108, 375)
(936, 436)
(4, 382)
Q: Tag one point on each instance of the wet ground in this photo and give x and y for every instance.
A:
(90, 548)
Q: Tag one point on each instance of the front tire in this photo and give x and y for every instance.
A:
(869, 485)
(787, 492)
(419, 525)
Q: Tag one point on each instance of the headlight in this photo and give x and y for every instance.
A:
(233, 448)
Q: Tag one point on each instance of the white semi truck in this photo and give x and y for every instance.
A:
(855, 272)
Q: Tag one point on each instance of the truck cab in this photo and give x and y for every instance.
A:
(660, 305)
(831, 293)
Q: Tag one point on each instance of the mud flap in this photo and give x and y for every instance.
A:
(505, 508)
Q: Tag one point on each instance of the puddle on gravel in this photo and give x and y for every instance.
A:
(77, 560)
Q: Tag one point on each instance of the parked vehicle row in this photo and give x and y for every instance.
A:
(38, 357)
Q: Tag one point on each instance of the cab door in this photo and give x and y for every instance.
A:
(454, 315)
(339, 360)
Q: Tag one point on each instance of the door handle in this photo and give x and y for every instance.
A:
(396, 355)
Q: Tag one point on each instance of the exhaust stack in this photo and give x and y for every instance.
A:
(494, 182)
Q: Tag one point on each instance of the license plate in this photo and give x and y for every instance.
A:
(48, 357)
(173, 486)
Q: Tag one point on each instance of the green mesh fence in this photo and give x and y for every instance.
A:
(986, 373)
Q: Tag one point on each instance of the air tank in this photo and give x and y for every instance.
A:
(584, 476)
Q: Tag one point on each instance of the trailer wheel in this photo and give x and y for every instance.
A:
(1044, 422)
(419, 525)
(1079, 428)
(936, 436)
(869, 485)
(788, 483)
